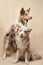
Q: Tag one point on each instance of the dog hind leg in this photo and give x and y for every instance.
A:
(5, 49)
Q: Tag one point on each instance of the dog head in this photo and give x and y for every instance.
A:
(24, 16)
(23, 33)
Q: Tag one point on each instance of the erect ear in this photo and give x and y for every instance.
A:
(28, 10)
(29, 30)
(22, 11)
(17, 27)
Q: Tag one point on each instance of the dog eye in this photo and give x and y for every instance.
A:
(20, 29)
(26, 14)
(25, 31)
(27, 20)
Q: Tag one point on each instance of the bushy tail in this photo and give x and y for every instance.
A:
(35, 57)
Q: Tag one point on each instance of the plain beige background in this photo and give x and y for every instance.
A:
(9, 12)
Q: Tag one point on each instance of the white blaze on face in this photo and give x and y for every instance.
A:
(21, 33)
(23, 28)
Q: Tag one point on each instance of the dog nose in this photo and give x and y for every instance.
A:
(21, 35)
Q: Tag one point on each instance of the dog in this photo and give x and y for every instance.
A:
(23, 17)
(9, 42)
(15, 33)
(20, 23)
(23, 44)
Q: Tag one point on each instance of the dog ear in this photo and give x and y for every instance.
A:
(28, 10)
(30, 17)
(29, 30)
(17, 27)
(22, 11)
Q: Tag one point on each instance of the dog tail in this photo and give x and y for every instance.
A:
(35, 57)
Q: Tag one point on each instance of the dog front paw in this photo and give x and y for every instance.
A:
(15, 61)
(26, 62)
(3, 57)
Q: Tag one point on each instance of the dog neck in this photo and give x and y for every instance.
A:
(18, 21)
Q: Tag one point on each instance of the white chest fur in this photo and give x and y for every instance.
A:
(19, 42)
(19, 23)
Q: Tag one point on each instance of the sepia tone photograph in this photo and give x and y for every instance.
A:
(21, 32)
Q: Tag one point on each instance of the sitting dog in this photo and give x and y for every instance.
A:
(16, 38)
(10, 35)
(14, 41)
(9, 40)
(23, 44)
